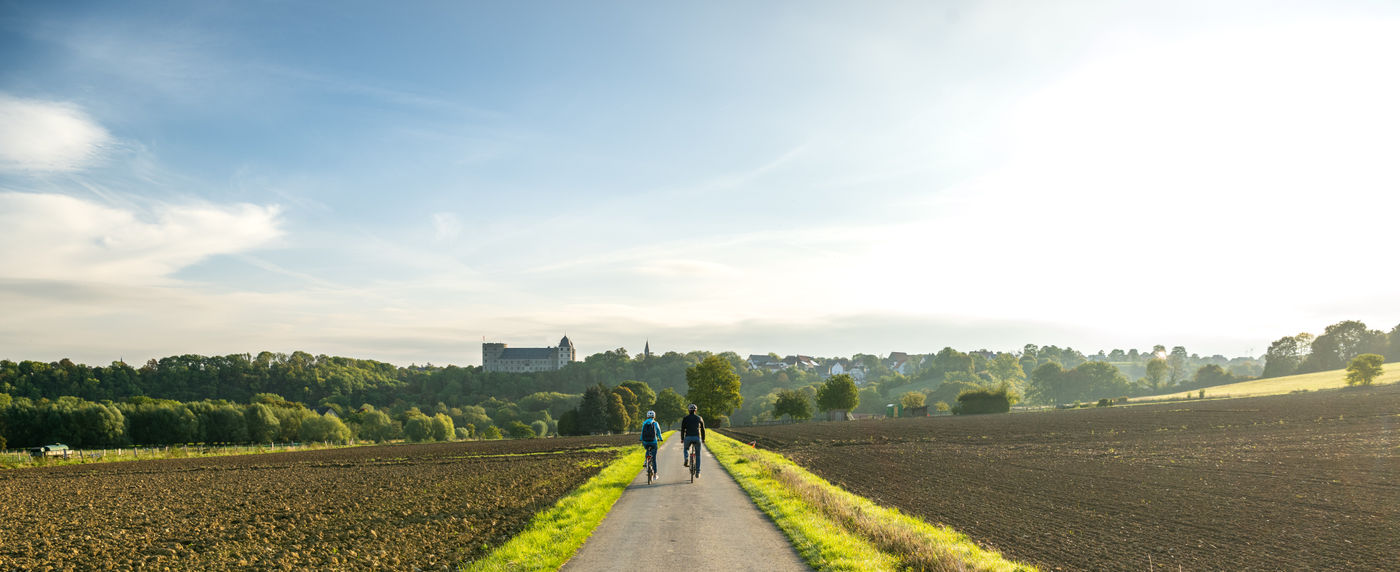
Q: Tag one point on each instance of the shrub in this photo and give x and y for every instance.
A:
(1104, 403)
(975, 401)
(718, 421)
(490, 432)
(540, 428)
(1364, 369)
(519, 430)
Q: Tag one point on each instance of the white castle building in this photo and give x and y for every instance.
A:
(498, 357)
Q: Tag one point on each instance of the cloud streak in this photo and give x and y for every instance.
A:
(47, 136)
(57, 237)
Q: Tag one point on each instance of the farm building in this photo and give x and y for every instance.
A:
(54, 450)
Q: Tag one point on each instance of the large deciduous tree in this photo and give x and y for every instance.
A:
(792, 403)
(669, 406)
(839, 392)
(713, 386)
(1157, 369)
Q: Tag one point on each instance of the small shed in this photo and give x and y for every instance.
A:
(54, 450)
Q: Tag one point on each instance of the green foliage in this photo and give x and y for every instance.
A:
(376, 426)
(839, 392)
(327, 428)
(418, 428)
(490, 432)
(540, 428)
(262, 423)
(669, 407)
(443, 429)
(519, 430)
(630, 405)
(646, 397)
(914, 399)
(1212, 374)
(463, 433)
(793, 404)
(593, 411)
(618, 420)
(1157, 369)
(979, 401)
(714, 387)
(1364, 369)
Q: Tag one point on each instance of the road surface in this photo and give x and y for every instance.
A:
(709, 525)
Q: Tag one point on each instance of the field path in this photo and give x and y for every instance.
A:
(709, 525)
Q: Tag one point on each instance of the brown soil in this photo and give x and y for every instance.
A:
(426, 506)
(1290, 482)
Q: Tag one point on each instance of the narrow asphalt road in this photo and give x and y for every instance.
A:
(709, 525)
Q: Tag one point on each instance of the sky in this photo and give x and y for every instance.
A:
(401, 181)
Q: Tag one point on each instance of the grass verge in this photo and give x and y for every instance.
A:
(554, 535)
(836, 530)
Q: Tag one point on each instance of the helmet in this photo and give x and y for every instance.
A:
(691, 407)
(651, 415)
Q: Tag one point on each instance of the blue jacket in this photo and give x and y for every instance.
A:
(658, 431)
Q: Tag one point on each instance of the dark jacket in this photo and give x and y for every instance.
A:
(693, 426)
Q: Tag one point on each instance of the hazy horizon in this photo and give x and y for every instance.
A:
(400, 182)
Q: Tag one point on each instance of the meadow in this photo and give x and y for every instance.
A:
(1334, 379)
(1285, 482)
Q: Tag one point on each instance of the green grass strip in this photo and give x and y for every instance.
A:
(555, 535)
(834, 529)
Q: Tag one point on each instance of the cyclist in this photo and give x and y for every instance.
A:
(651, 435)
(692, 432)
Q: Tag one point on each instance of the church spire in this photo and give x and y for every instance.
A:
(646, 353)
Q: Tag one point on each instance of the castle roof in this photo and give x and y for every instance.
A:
(565, 343)
(529, 353)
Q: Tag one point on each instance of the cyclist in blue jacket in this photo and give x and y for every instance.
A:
(651, 435)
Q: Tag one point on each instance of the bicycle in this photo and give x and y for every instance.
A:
(695, 462)
(651, 466)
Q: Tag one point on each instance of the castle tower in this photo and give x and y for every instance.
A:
(566, 352)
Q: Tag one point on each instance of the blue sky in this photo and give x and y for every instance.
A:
(398, 182)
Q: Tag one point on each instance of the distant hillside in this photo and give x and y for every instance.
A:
(1274, 385)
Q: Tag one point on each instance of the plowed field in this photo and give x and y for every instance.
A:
(1290, 482)
(386, 507)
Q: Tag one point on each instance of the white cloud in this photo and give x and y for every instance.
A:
(47, 136)
(57, 237)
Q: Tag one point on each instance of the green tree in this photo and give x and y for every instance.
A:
(443, 429)
(1283, 356)
(418, 428)
(792, 403)
(912, 399)
(669, 406)
(1157, 369)
(518, 430)
(646, 397)
(1341, 342)
(325, 428)
(593, 410)
(491, 432)
(540, 428)
(631, 404)
(1393, 353)
(1211, 375)
(617, 414)
(376, 426)
(1177, 361)
(713, 386)
(1364, 369)
(1049, 384)
(262, 423)
(837, 393)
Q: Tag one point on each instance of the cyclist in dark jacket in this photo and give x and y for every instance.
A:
(692, 432)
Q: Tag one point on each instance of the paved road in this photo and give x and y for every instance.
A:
(709, 525)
